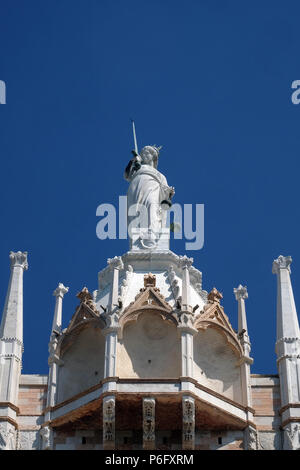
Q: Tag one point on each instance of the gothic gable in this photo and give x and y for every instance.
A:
(213, 315)
(149, 299)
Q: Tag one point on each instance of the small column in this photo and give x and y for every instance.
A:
(11, 349)
(148, 423)
(109, 438)
(241, 294)
(188, 422)
(185, 321)
(112, 319)
(115, 264)
(185, 264)
(288, 353)
(54, 360)
(59, 293)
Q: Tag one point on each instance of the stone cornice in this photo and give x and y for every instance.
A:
(287, 340)
(290, 420)
(8, 404)
(288, 356)
(12, 339)
(289, 405)
(166, 259)
(9, 420)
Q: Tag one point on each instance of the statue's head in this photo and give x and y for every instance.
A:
(149, 155)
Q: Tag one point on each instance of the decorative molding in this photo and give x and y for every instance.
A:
(18, 259)
(173, 282)
(289, 405)
(61, 290)
(28, 440)
(8, 404)
(291, 435)
(214, 296)
(185, 262)
(148, 299)
(251, 441)
(282, 262)
(46, 434)
(240, 292)
(149, 280)
(7, 437)
(288, 340)
(287, 356)
(115, 263)
(18, 358)
(9, 420)
(12, 339)
(86, 298)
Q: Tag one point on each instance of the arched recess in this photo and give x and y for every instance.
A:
(149, 346)
(216, 360)
(82, 352)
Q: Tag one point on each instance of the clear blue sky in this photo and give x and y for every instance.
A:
(208, 80)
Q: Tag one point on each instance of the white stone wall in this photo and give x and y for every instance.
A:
(150, 348)
(83, 364)
(215, 364)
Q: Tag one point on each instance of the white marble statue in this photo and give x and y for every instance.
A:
(148, 197)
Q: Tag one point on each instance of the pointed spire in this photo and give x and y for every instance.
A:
(287, 348)
(11, 330)
(287, 320)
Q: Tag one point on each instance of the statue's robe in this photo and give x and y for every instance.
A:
(148, 187)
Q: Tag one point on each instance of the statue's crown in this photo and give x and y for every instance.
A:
(157, 148)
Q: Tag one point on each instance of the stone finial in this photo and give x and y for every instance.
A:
(282, 262)
(18, 259)
(214, 296)
(185, 262)
(240, 292)
(115, 263)
(149, 280)
(86, 297)
(61, 290)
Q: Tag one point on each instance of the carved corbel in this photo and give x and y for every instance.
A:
(108, 422)
(188, 423)
(148, 423)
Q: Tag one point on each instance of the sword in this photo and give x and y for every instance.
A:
(134, 137)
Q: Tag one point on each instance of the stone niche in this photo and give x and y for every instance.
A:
(83, 363)
(149, 348)
(216, 364)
